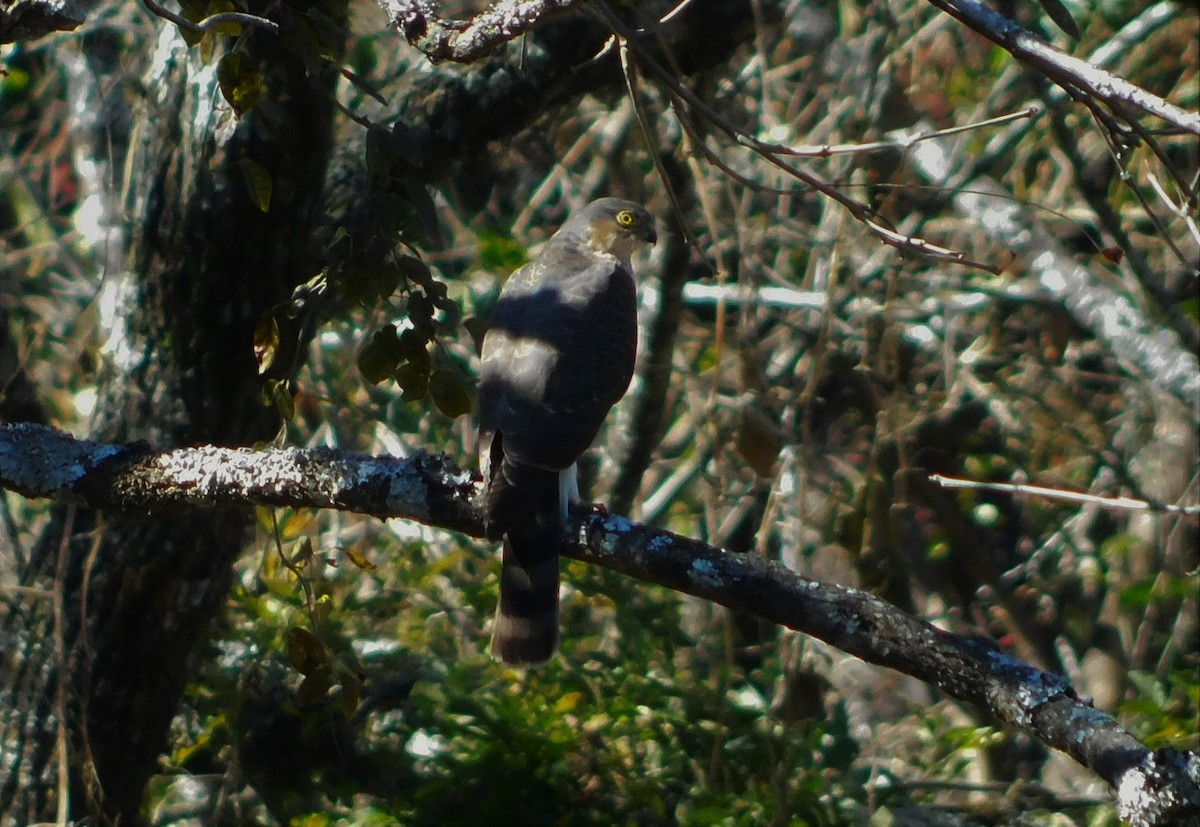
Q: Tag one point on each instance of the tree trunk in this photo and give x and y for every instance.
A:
(102, 636)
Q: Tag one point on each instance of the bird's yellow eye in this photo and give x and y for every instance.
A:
(626, 219)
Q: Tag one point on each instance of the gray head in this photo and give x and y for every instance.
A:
(613, 226)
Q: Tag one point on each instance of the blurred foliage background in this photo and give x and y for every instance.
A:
(812, 383)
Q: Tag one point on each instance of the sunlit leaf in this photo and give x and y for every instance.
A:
(241, 84)
(303, 552)
(266, 341)
(357, 558)
(568, 702)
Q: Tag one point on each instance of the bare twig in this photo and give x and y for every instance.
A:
(862, 212)
(62, 671)
(893, 141)
(1126, 503)
(213, 20)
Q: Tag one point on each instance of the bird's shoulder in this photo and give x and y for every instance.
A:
(564, 260)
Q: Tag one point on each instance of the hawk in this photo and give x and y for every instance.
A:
(557, 355)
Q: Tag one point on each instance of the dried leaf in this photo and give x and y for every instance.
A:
(357, 558)
(758, 441)
(266, 341)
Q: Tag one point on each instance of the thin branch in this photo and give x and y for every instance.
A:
(62, 673)
(1127, 503)
(893, 141)
(684, 97)
(213, 20)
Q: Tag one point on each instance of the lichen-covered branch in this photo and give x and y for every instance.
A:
(971, 668)
(464, 41)
(39, 461)
(1153, 788)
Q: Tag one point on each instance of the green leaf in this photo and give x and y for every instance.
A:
(277, 393)
(348, 698)
(1137, 594)
(415, 271)
(501, 253)
(359, 560)
(380, 356)
(413, 379)
(363, 59)
(422, 206)
(241, 84)
(303, 551)
(1191, 308)
(315, 686)
(381, 151)
(407, 145)
(304, 651)
(420, 311)
(258, 181)
(452, 312)
(13, 81)
(476, 326)
(413, 348)
(450, 392)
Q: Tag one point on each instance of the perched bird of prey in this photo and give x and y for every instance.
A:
(557, 356)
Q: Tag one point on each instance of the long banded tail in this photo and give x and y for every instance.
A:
(525, 632)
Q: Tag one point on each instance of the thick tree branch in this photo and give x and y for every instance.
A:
(22, 20)
(454, 114)
(464, 41)
(1153, 788)
(38, 461)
